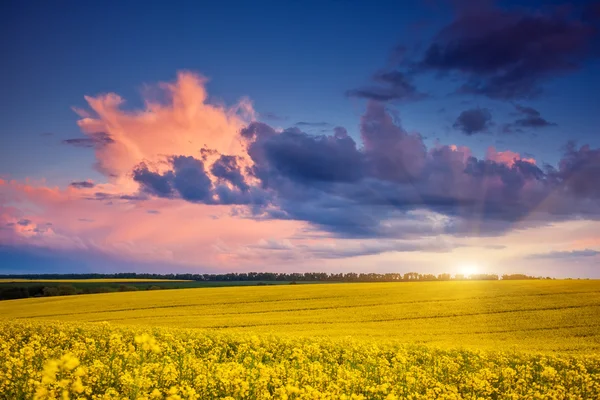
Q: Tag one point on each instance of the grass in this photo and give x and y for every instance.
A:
(556, 316)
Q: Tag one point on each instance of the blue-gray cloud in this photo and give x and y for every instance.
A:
(565, 254)
(82, 184)
(531, 118)
(390, 85)
(363, 191)
(187, 180)
(509, 54)
(98, 139)
(472, 121)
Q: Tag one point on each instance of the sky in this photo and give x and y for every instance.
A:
(288, 136)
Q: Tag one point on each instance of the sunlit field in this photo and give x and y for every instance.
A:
(376, 340)
(526, 315)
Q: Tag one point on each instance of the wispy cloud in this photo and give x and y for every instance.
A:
(565, 254)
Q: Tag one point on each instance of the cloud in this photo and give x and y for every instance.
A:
(508, 54)
(302, 157)
(205, 168)
(565, 254)
(182, 233)
(227, 169)
(531, 118)
(95, 140)
(579, 171)
(330, 183)
(391, 85)
(340, 249)
(366, 191)
(475, 120)
(82, 184)
(313, 124)
(181, 124)
(506, 157)
(188, 180)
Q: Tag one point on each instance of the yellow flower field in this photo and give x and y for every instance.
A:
(445, 340)
(100, 361)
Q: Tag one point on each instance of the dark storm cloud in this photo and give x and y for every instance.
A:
(475, 120)
(391, 85)
(94, 140)
(531, 118)
(82, 185)
(374, 190)
(509, 54)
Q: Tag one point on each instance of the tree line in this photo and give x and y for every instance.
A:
(283, 276)
(15, 291)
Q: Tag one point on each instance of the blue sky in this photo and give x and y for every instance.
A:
(297, 61)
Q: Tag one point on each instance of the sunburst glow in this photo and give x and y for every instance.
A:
(469, 269)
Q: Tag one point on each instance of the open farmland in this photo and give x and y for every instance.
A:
(445, 340)
(562, 316)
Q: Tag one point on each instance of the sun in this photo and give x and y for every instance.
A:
(469, 269)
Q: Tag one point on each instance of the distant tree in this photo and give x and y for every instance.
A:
(517, 277)
(411, 276)
(98, 289)
(66, 290)
(126, 288)
(12, 293)
(51, 291)
(484, 277)
(444, 277)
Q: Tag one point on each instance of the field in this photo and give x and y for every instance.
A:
(469, 339)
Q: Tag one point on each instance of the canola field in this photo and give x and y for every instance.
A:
(424, 340)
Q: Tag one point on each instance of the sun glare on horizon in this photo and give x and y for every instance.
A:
(469, 269)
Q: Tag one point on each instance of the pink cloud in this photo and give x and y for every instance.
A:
(103, 219)
(182, 124)
(178, 233)
(505, 157)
